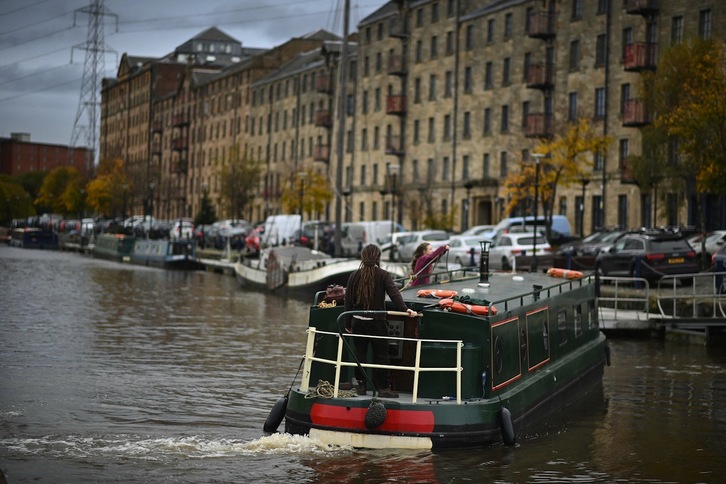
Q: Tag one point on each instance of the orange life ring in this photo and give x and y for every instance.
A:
(440, 293)
(460, 307)
(564, 273)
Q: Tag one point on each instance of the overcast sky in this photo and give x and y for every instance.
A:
(40, 87)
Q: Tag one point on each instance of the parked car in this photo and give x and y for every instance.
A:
(714, 241)
(436, 238)
(509, 245)
(650, 255)
(461, 249)
(560, 227)
(478, 230)
(185, 232)
(718, 259)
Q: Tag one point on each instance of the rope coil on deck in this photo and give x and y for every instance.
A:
(325, 389)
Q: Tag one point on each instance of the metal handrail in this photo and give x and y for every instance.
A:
(339, 363)
(667, 291)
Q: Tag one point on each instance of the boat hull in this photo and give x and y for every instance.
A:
(165, 254)
(437, 423)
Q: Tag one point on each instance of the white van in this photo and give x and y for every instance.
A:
(356, 235)
(280, 230)
(560, 227)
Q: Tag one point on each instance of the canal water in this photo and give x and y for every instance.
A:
(117, 373)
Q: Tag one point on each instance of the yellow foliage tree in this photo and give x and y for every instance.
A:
(61, 191)
(567, 161)
(312, 188)
(106, 192)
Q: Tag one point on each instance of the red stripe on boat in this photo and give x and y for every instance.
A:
(354, 418)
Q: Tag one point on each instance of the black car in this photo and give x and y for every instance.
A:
(650, 255)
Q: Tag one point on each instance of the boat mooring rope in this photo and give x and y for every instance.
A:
(325, 389)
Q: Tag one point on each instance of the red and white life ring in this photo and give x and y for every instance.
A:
(564, 273)
(460, 307)
(439, 293)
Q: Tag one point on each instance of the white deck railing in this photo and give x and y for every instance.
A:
(339, 363)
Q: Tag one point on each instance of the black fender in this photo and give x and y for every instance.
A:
(276, 415)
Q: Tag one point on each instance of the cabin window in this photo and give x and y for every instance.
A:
(562, 326)
(578, 321)
(592, 314)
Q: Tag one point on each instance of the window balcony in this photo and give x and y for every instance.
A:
(541, 25)
(640, 7)
(180, 143)
(156, 147)
(640, 56)
(324, 84)
(540, 76)
(635, 113)
(323, 119)
(394, 145)
(156, 126)
(181, 119)
(179, 165)
(321, 153)
(396, 104)
(539, 126)
(397, 28)
(396, 65)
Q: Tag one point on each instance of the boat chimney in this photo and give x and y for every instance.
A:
(484, 260)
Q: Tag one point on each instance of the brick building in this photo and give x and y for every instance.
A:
(19, 155)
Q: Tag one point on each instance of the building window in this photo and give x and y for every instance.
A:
(600, 50)
(505, 118)
(574, 55)
(467, 125)
(379, 62)
(434, 12)
(434, 47)
(449, 42)
(417, 90)
(487, 121)
(704, 24)
(419, 51)
(623, 211)
(469, 40)
(430, 170)
(624, 96)
(485, 165)
(450, 8)
(525, 113)
(446, 168)
(602, 7)
(490, 30)
(364, 139)
(468, 80)
(623, 152)
(572, 107)
(677, 30)
(432, 132)
(449, 84)
(503, 164)
(563, 206)
(627, 40)
(488, 75)
(447, 127)
(377, 99)
(465, 168)
(505, 72)
(419, 17)
(416, 132)
(508, 27)
(364, 102)
(598, 161)
(576, 10)
(432, 87)
(366, 69)
(599, 103)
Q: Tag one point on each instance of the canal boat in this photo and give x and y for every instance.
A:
(115, 247)
(34, 238)
(165, 254)
(488, 355)
(297, 269)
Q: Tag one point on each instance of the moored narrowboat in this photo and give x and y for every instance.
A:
(486, 356)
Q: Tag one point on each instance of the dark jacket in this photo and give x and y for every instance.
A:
(384, 285)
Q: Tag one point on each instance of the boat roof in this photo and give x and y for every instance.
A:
(514, 288)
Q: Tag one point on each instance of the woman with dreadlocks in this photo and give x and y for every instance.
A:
(366, 290)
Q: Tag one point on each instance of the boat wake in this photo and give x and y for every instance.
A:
(124, 447)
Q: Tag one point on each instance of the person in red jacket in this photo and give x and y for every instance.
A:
(423, 262)
(366, 290)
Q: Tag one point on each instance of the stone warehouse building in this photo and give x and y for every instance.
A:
(442, 99)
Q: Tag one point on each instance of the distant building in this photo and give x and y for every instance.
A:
(18, 155)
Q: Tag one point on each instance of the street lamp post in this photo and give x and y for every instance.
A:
(584, 181)
(393, 170)
(468, 185)
(301, 178)
(123, 214)
(536, 157)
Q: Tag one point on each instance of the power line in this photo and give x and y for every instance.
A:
(44, 71)
(22, 8)
(9, 98)
(37, 38)
(34, 24)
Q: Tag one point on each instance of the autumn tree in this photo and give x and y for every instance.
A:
(567, 161)
(238, 179)
(62, 191)
(15, 202)
(108, 192)
(311, 188)
(686, 98)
